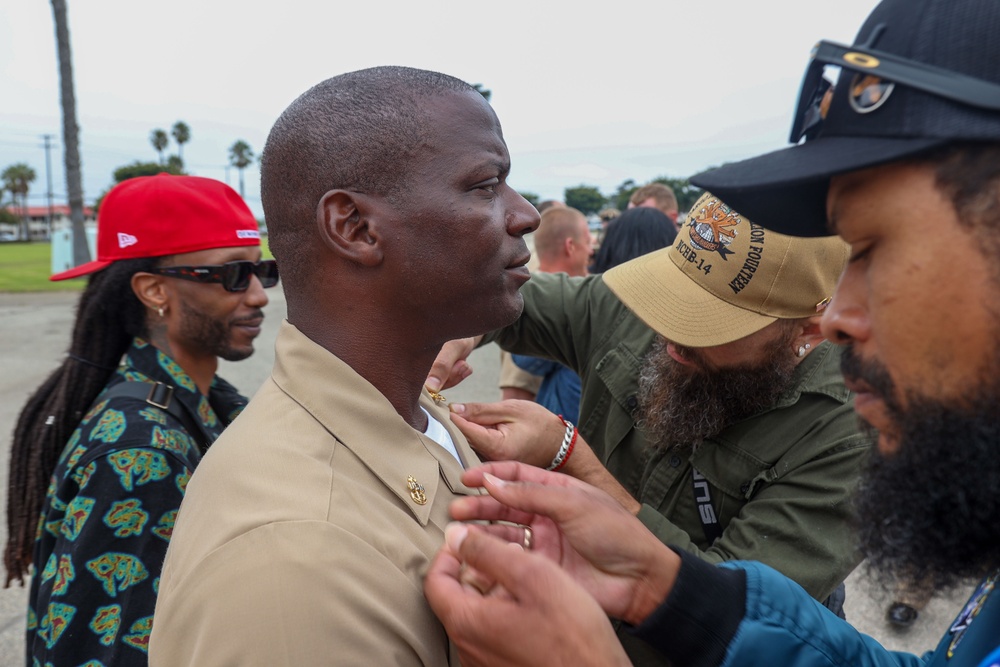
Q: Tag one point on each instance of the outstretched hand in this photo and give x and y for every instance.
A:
(534, 614)
(450, 367)
(600, 545)
(510, 430)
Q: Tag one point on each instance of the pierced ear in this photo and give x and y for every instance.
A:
(810, 326)
(809, 335)
(150, 290)
(344, 222)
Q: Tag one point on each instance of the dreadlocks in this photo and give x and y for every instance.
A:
(108, 317)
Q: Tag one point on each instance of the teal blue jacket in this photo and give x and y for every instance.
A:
(745, 614)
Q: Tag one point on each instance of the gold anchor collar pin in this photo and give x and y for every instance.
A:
(416, 489)
(437, 397)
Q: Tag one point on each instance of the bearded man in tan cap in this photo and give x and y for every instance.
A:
(711, 407)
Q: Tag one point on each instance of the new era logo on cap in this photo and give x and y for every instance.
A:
(125, 240)
(247, 234)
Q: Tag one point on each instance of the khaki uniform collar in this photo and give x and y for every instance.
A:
(363, 421)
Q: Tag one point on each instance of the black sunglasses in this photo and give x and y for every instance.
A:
(877, 74)
(234, 276)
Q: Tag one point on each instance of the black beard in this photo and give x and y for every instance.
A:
(928, 513)
(211, 334)
(681, 406)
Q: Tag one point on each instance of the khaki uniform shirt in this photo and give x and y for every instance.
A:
(307, 529)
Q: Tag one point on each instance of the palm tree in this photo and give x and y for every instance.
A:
(17, 179)
(483, 91)
(241, 157)
(71, 131)
(159, 139)
(182, 135)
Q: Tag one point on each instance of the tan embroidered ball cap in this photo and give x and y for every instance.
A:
(726, 277)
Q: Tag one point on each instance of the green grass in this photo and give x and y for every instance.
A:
(26, 267)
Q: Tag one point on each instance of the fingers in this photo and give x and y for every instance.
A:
(486, 508)
(506, 564)
(487, 442)
(459, 372)
(488, 414)
(513, 471)
(560, 503)
(500, 412)
(450, 577)
(442, 584)
(516, 534)
(450, 366)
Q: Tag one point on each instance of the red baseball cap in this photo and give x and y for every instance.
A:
(153, 216)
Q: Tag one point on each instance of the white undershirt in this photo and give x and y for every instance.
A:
(439, 434)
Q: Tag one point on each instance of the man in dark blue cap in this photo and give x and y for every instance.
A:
(901, 158)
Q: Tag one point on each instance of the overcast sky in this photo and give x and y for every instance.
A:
(629, 90)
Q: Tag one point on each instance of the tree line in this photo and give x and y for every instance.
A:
(588, 199)
(16, 179)
(240, 156)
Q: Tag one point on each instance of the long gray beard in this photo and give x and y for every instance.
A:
(681, 406)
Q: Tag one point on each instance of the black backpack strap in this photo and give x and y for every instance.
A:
(161, 395)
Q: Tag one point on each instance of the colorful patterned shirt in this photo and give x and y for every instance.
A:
(108, 515)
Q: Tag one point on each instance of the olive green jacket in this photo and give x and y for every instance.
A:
(780, 482)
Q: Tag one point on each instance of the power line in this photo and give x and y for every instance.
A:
(20, 145)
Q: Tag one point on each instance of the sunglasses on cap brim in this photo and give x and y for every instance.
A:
(875, 75)
(234, 276)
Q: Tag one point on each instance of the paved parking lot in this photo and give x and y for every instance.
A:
(34, 334)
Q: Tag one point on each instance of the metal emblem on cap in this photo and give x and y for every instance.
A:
(713, 227)
(867, 93)
(861, 60)
(416, 490)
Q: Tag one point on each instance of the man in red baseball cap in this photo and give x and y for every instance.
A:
(116, 431)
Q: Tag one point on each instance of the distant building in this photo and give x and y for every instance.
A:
(38, 221)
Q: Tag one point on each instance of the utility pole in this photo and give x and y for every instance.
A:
(48, 176)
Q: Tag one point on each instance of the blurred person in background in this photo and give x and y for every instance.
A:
(563, 244)
(635, 232)
(658, 196)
